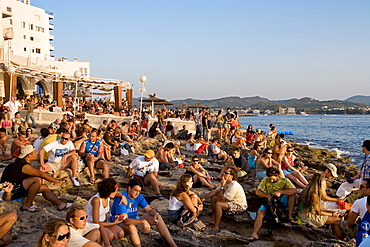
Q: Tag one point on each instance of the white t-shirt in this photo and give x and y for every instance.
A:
(77, 239)
(359, 207)
(234, 192)
(13, 107)
(141, 167)
(57, 150)
(37, 143)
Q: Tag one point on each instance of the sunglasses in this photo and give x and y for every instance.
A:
(269, 152)
(81, 218)
(195, 160)
(61, 237)
(65, 138)
(227, 173)
(290, 151)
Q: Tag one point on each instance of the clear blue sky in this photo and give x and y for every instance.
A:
(207, 49)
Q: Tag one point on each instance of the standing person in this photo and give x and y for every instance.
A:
(55, 234)
(29, 108)
(278, 186)
(146, 169)
(219, 123)
(205, 125)
(134, 200)
(198, 123)
(310, 209)
(83, 233)
(229, 196)
(91, 151)
(182, 198)
(13, 106)
(28, 181)
(62, 155)
(98, 208)
(347, 187)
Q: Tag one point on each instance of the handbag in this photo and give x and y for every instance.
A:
(186, 218)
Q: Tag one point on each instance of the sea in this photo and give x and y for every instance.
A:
(341, 133)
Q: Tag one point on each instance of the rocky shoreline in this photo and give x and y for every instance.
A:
(234, 231)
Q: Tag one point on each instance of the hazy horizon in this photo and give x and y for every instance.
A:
(211, 49)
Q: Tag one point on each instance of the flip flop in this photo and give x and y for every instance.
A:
(293, 221)
(251, 239)
(209, 223)
(92, 181)
(159, 196)
(32, 209)
(68, 205)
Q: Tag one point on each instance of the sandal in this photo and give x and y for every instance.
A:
(92, 181)
(159, 196)
(251, 239)
(32, 209)
(68, 205)
(293, 221)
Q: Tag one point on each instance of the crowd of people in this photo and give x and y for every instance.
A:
(73, 145)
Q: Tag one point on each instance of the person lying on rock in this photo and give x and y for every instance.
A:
(278, 186)
(28, 181)
(132, 225)
(229, 196)
(146, 169)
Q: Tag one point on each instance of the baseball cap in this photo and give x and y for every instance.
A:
(149, 154)
(26, 150)
(333, 169)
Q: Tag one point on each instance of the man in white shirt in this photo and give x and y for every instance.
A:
(146, 169)
(84, 234)
(359, 206)
(13, 106)
(229, 196)
(62, 155)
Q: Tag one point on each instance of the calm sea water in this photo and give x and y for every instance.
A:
(341, 133)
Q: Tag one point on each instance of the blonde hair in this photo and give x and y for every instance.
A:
(181, 185)
(51, 227)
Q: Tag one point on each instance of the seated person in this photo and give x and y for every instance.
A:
(359, 206)
(237, 140)
(146, 169)
(310, 210)
(19, 124)
(134, 132)
(109, 139)
(7, 220)
(183, 133)
(3, 140)
(215, 151)
(199, 174)
(360, 240)
(165, 157)
(182, 198)
(156, 132)
(134, 200)
(170, 130)
(18, 143)
(264, 162)
(83, 233)
(62, 155)
(200, 145)
(125, 132)
(278, 186)
(229, 196)
(91, 151)
(238, 162)
(189, 144)
(287, 165)
(55, 233)
(28, 181)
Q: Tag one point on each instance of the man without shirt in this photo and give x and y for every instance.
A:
(229, 197)
(165, 157)
(84, 234)
(3, 140)
(18, 143)
(146, 169)
(62, 155)
(134, 200)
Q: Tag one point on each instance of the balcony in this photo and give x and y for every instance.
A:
(51, 26)
(51, 14)
(9, 35)
(52, 48)
(7, 12)
(51, 37)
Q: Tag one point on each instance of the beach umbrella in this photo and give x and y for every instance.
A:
(197, 105)
(153, 99)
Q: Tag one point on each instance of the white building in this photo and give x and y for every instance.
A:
(26, 44)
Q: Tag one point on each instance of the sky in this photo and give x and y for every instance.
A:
(208, 49)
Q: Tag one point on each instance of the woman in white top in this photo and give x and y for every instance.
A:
(98, 208)
(182, 198)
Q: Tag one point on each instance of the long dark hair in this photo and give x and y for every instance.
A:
(181, 185)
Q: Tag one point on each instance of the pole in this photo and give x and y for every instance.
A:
(141, 98)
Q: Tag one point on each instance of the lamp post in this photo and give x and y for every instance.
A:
(142, 90)
(77, 75)
(11, 71)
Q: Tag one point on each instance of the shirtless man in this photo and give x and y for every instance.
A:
(3, 140)
(18, 143)
(165, 157)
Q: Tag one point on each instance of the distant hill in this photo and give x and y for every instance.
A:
(362, 99)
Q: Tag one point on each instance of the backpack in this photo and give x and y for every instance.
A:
(276, 213)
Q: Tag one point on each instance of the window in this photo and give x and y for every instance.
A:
(11, 21)
(31, 26)
(83, 71)
(24, 37)
(39, 29)
(38, 50)
(25, 48)
(31, 38)
(37, 17)
(9, 9)
(23, 24)
(33, 50)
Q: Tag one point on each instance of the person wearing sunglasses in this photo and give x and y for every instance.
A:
(55, 234)
(62, 155)
(264, 162)
(83, 233)
(290, 172)
(229, 196)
